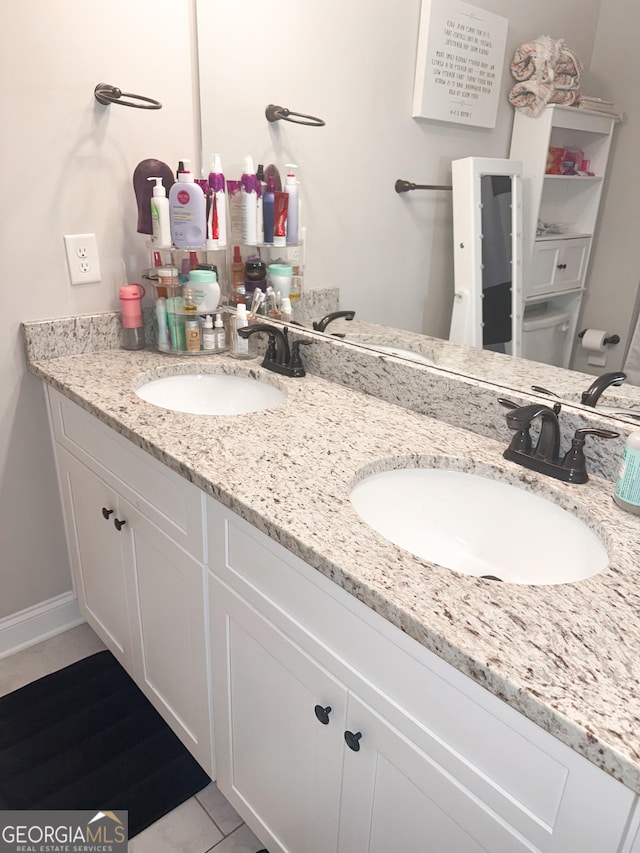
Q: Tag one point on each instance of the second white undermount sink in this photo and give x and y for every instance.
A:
(479, 526)
(211, 394)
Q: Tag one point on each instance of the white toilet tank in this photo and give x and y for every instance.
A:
(544, 337)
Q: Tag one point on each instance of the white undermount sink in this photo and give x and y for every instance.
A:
(211, 394)
(479, 526)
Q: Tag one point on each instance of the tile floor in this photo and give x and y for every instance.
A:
(206, 822)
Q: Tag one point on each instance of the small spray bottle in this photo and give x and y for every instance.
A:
(217, 225)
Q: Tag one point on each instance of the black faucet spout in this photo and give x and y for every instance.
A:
(591, 396)
(548, 447)
(321, 325)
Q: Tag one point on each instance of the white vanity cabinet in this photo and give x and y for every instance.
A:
(300, 668)
(136, 543)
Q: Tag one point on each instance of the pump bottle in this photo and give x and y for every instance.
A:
(187, 211)
(160, 221)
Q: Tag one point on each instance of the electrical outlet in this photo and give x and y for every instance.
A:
(82, 258)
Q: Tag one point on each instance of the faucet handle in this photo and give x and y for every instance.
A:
(581, 434)
(574, 459)
(521, 441)
(540, 390)
(508, 404)
(296, 362)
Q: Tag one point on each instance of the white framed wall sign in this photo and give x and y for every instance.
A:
(459, 64)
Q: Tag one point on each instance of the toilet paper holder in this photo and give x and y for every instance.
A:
(612, 339)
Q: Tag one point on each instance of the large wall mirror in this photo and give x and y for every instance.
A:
(392, 255)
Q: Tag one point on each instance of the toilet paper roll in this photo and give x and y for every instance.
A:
(593, 342)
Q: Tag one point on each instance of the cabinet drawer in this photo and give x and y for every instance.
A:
(557, 266)
(518, 770)
(165, 498)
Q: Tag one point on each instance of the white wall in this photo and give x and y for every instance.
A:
(352, 63)
(67, 164)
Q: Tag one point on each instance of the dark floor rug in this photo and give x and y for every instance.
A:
(86, 737)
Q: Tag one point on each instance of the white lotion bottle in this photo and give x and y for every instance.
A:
(249, 204)
(627, 490)
(187, 211)
(291, 188)
(160, 220)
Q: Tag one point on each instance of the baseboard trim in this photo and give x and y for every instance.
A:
(39, 622)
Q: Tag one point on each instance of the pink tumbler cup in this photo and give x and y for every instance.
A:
(131, 309)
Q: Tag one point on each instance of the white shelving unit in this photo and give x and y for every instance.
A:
(555, 265)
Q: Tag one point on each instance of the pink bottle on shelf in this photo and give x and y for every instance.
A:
(131, 308)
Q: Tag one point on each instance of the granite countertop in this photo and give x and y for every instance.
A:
(566, 656)
(489, 366)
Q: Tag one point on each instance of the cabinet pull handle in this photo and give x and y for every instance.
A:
(323, 714)
(106, 512)
(561, 266)
(118, 523)
(352, 740)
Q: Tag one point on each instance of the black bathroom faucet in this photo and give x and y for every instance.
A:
(279, 357)
(545, 456)
(321, 325)
(591, 396)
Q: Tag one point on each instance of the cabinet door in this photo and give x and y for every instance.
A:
(95, 545)
(275, 761)
(557, 266)
(395, 797)
(169, 602)
(574, 263)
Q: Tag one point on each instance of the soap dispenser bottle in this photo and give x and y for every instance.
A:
(627, 489)
(187, 211)
(160, 221)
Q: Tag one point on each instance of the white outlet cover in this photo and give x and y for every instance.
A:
(82, 258)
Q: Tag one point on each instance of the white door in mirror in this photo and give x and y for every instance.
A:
(479, 526)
